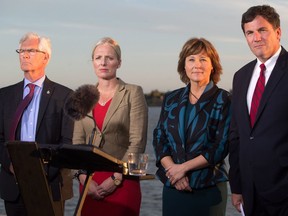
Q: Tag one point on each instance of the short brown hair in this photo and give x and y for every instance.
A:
(265, 11)
(194, 46)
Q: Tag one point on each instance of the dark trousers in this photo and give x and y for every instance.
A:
(205, 202)
(263, 208)
(15, 208)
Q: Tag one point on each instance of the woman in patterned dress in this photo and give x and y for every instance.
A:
(190, 140)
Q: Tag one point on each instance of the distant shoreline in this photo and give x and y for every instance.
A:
(155, 98)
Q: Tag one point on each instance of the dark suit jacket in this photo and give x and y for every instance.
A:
(53, 127)
(259, 155)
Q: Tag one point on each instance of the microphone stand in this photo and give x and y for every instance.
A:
(89, 175)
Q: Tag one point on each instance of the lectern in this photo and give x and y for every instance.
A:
(87, 157)
(32, 181)
(28, 160)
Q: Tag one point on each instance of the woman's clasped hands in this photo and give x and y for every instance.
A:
(99, 192)
(177, 176)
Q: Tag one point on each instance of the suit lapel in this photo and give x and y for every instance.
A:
(47, 91)
(15, 103)
(114, 103)
(278, 72)
(18, 97)
(244, 91)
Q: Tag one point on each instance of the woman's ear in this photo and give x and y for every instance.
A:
(119, 65)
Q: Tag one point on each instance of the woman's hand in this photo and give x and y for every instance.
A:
(175, 172)
(107, 187)
(92, 187)
(183, 184)
(93, 191)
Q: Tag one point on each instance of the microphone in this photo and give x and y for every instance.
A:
(81, 102)
(77, 107)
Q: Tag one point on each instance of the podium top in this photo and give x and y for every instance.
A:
(81, 156)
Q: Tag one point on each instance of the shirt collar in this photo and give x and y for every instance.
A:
(271, 61)
(38, 82)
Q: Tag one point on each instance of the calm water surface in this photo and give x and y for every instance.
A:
(151, 189)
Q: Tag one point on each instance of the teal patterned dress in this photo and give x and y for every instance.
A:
(186, 130)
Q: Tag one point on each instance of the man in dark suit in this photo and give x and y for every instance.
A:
(42, 121)
(259, 151)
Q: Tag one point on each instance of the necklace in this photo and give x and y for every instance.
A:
(107, 93)
(105, 97)
(194, 95)
(104, 102)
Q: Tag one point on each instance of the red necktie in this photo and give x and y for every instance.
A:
(19, 112)
(259, 89)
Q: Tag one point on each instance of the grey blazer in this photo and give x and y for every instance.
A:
(124, 127)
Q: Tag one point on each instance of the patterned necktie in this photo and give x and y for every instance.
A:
(259, 89)
(19, 112)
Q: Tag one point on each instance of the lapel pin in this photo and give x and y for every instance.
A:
(48, 92)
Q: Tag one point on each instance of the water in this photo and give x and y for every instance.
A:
(151, 189)
(137, 169)
(137, 164)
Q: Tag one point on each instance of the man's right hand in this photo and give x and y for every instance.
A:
(237, 199)
(11, 169)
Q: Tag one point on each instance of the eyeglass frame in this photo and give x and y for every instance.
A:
(31, 52)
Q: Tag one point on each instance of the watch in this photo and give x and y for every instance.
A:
(117, 182)
(80, 172)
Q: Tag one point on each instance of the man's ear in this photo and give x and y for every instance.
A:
(46, 57)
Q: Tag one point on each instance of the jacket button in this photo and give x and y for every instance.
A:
(252, 137)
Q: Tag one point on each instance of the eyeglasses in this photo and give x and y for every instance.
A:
(31, 52)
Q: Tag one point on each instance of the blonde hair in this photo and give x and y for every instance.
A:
(112, 43)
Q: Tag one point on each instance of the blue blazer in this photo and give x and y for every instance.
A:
(259, 155)
(202, 131)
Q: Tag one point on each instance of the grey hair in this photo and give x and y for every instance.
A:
(43, 45)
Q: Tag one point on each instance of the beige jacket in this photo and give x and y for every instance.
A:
(125, 125)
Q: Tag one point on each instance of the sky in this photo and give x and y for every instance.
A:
(151, 34)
